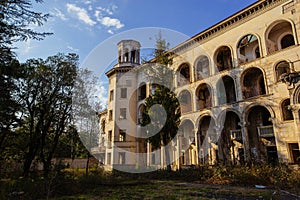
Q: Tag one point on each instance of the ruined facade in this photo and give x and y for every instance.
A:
(241, 88)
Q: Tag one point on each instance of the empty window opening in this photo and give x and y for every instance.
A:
(248, 49)
(141, 110)
(203, 93)
(126, 56)
(287, 113)
(253, 83)
(223, 58)
(202, 68)
(110, 115)
(122, 158)
(111, 95)
(185, 101)
(228, 151)
(122, 113)
(261, 135)
(142, 92)
(122, 135)
(274, 39)
(295, 152)
(124, 93)
(183, 75)
(282, 68)
(226, 90)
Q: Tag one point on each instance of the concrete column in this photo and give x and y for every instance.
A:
(243, 124)
(196, 144)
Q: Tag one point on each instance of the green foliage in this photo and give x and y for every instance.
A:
(162, 76)
(16, 17)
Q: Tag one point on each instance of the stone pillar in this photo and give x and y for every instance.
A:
(243, 124)
(196, 144)
(295, 109)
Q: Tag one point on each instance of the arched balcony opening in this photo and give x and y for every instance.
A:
(206, 140)
(185, 100)
(231, 140)
(223, 58)
(248, 49)
(202, 68)
(183, 75)
(253, 83)
(280, 36)
(187, 143)
(204, 98)
(261, 136)
(226, 90)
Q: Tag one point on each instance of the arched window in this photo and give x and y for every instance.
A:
(253, 83)
(202, 68)
(183, 75)
(287, 114)
(223, 58)
(282, 68)
(248, 49)
(185, 101)
(204, 98)
(226, 90)
(279, 36)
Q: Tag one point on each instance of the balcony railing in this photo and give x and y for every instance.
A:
(236, 134)
(98, 150)
(266, 131)
(124, 144)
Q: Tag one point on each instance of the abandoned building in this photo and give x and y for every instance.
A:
(240, 81)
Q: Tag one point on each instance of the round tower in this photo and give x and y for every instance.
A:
(129, 52)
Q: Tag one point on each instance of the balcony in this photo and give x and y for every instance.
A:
(265, 131)
(236, 134)
(120, 144)
(98, 150)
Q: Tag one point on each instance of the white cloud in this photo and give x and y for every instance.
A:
(80, 13)
(108, 21)
(110, 31)
(111, 22)
(107, 10)
(59, 14)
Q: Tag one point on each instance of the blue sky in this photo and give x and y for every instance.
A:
(80, 25)
(92, 28)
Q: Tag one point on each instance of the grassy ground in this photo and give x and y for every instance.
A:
(177, 190)
(219, 182)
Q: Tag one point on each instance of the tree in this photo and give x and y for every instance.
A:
(86, 106)
(16, 17)
(46, 99)
(162, 76)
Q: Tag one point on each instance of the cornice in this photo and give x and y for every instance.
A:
(230, 22)
(118, 69)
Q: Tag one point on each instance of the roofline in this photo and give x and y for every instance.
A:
(246, 12)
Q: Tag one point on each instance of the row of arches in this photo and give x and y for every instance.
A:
(252, 85)
(228, 144)
(279, 35)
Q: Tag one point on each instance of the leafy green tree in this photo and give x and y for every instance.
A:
(162, 76)
(16, 17)
(46, 99)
